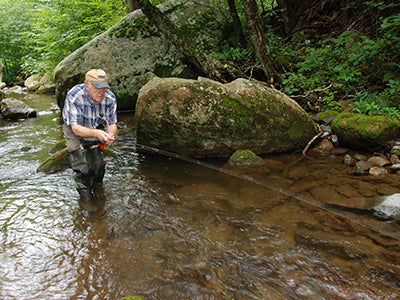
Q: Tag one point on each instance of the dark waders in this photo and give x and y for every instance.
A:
(86, 159)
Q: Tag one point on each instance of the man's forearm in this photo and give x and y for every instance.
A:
(102, 136)
(83, 131)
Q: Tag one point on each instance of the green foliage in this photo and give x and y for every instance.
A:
(373, 104)
(352, 63)
(231, 53)
(35, 35)
(62, 26)
(13, 42)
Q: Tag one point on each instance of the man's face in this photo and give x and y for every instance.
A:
(96, 94)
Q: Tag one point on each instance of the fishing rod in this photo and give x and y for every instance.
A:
(388, 229)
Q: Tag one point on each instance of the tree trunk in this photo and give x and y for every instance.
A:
(237, 25)
(212, 68)
(258, 39)
(293, 11)
(133, 5)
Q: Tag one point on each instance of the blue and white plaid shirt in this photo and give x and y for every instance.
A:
(80, 109)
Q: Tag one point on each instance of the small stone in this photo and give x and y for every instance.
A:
(335, 140)
(362, 167)
(396, 147)
(360, 157)
(325, 146)
(349, 161)
(245, 158)
(326, 128)
(378, 161)
(378, 171)
(394, 159)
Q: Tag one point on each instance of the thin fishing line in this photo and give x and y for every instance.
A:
(375, 225)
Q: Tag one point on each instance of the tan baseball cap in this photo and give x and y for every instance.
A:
(97, 77)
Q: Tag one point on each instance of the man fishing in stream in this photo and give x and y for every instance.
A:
(90, 121)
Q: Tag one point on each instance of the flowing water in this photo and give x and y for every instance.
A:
(169, 229)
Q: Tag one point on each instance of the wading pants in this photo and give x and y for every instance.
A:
(86, 159)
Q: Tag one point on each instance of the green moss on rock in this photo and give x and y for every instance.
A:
(245, 158)
(365, 132)
(326, 114)
(55, 163)
(208, 118)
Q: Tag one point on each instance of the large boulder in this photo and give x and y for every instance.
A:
(206, 118)
(357, 131)
(13, 109)
(133, 51)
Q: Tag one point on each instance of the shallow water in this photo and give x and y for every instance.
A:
(169, 229)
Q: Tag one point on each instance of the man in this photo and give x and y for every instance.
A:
(88, 107)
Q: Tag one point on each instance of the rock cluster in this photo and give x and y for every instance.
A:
(40, 84)
(353, 131)
(377, 164)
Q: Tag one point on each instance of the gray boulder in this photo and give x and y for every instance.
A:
(133, 51)
(13, 109)
(206, 118)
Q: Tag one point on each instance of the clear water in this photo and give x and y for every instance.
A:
(168, 229)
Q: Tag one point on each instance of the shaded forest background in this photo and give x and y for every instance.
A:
(330, 54)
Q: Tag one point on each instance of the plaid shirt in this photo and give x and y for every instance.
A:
(80, 109)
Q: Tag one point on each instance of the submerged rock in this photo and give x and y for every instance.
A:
(55, 163)
(350, 161)
(58, 161)
(245, 158)
(362, 167)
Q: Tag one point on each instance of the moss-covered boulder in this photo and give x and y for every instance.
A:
(206, 118)
(55, 163)
(357, 131)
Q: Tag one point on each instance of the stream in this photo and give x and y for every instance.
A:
(170, 229)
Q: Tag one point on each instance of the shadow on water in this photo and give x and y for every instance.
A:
(167, 229)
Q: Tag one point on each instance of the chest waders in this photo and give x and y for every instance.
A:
(89, 165)
(87, 161)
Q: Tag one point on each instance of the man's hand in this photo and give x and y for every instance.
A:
(105, 137)
(101, 135)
